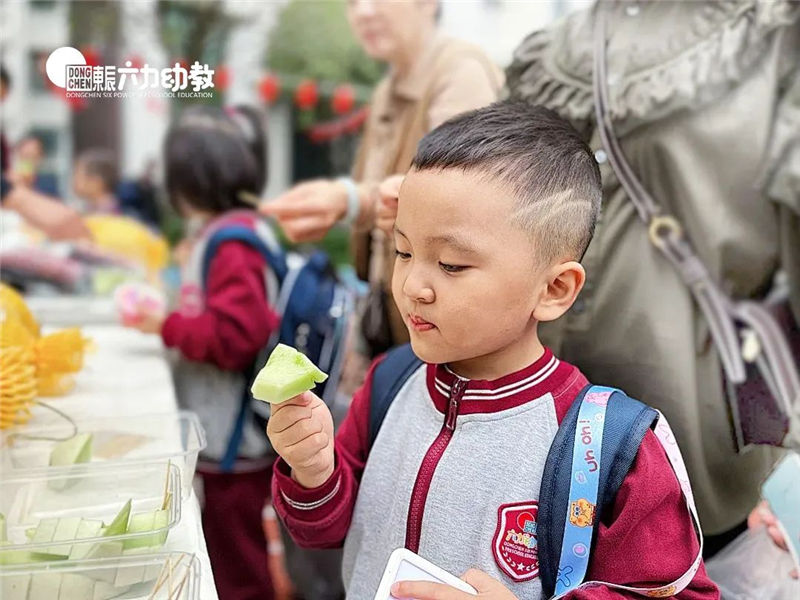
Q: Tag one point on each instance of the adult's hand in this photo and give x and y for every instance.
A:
(308, 211)
(761, 516)
(57, 220)
(386, 204)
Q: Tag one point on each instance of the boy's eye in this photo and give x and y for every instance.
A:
(451, 268)
(402, 255)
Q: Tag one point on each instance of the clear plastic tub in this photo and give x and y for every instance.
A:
(164, 576)
(75, 514)
(177, 437)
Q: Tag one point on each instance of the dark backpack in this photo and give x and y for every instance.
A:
(314, 307)
(626, 422)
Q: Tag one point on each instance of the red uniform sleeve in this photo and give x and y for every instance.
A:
(649, 539)
(237, 320)
(320, 517)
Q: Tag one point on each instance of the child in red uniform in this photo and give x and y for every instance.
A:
(493, 217)
(217, 332)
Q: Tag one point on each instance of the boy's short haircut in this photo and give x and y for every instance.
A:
(102, 163)
(540, 156)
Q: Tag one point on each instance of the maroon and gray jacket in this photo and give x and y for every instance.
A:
(454, 475)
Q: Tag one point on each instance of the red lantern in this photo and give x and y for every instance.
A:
(343, 99)
(269, 88)
(182, 62)
(222, 77)
(306, 94)
(91, 55)
(135, 60)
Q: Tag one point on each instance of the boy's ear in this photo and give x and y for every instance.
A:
(562, 284)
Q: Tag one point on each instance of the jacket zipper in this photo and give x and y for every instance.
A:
(419, 495)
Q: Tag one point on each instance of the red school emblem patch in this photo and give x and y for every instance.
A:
(515, 543)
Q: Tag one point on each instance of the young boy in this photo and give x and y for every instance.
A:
(95, 180)
(493, 217)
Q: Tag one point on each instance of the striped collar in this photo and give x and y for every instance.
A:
(547, 374)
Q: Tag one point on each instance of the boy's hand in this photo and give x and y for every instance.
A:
(301, 431)
(488, 588)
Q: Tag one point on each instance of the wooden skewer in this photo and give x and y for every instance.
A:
(249, 198)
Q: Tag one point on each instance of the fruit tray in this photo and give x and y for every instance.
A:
(88, 513)
(111, 441)
(163, 576)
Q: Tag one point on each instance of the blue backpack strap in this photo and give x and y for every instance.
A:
(390, 375)
(242, 233)
(625, 423)
(277, 263)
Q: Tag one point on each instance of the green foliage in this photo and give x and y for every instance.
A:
(313, 39)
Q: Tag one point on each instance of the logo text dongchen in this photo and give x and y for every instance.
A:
(109, 78)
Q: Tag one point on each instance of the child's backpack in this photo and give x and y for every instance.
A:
(315, 308)
(614, 447)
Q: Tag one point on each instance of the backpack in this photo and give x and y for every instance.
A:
(315, 308)
(625, 422)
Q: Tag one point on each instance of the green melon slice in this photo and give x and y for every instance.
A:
(120, 523)
(75, 587)
(15, 587)
(87, 529)
(77, 449)
(142, 522)
(44, 585)
(45, 531)
(66, 531)
(287, 374)
(21, 557)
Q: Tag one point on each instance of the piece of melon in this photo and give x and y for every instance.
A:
(104, 550)
(106, 591)
(66, 531)
(44, 586)
(287, 373)
(75, 450)
(21, 557)
(14, 587)
(120, 523)
(142, 522)
(75, 587)
(87, 529)
(45, 531)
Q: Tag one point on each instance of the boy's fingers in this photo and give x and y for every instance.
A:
(288, 418)
(478, 579)
(427, 590)
(304, 399)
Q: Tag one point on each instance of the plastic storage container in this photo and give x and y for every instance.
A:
(79, 513)
(164, 576)
(177, 437)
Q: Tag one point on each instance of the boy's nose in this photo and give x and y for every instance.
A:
(417, 290)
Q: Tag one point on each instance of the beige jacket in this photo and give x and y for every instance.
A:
(706, 101)
(448, 78)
